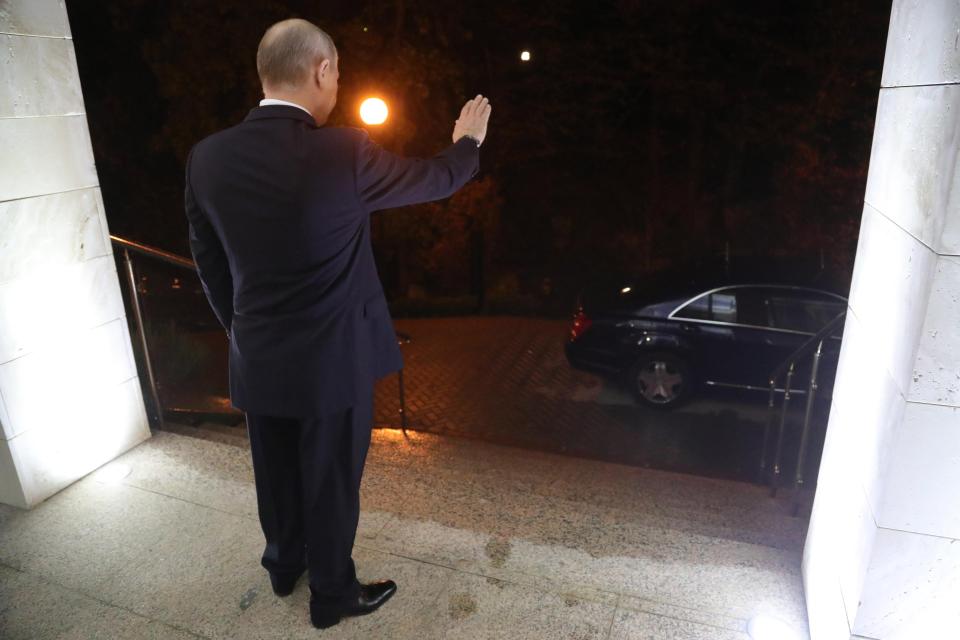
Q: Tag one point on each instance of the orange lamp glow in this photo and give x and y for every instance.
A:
(373, 111)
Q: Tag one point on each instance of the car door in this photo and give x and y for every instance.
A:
(797, 314)
(731, 333)
(706, 337)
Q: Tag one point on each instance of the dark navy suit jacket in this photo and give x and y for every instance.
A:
(279, 212)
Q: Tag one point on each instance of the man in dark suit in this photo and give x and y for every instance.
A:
(279, 210)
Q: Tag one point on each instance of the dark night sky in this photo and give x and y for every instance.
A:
(641, 133)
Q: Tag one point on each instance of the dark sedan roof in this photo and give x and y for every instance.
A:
(681, 283)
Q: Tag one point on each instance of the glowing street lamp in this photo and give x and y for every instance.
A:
(525, 56)
(373, 111)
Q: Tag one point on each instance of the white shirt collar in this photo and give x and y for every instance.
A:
(266, 102)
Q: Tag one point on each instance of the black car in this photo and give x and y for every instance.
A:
(669, 335)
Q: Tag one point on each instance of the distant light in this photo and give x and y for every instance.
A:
(525, 55)
(112, 473)
(373, 111)
(766, 627)
(625, 290)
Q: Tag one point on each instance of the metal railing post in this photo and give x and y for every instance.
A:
(138, 316)
(403, 403)
(775, 480)
(402, 339)
(767, 428)
(789, 365)
(804, 433)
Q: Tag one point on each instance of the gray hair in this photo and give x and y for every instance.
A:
(289, 50)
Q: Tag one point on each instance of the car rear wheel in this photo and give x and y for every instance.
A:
(661, 380)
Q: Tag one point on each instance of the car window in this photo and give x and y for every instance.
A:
(751, 307)
(698, 309)
(726, 305)
(723, 306)
(802, 313)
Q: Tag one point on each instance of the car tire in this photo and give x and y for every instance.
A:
(661, 380)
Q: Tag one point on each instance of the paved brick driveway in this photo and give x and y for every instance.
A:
(506, 380)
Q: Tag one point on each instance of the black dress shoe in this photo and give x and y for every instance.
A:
(283, 583)
(370, 598)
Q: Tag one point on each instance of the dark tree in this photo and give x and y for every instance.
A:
(641, 132)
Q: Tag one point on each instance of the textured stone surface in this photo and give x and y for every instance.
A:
(194, 571)
(5, 426)
(889, 291)
(84, 536)
(866, 411)
(912, 588)
(50, 155)
(11, 489)
(216, 475)
(85, 434)
(35, 609)
(476, 607)
(914, 176)
(640, 625)
(70, 378)
(923, 46)
(922, 472)
(841, 538)
(936, 371)
(177, 544)
(39, 78)
(35, 17)
(695, 615)
(60, 305)
(37, 234)
(826, 610)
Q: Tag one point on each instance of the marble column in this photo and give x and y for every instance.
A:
(882, 557)
(70, 398)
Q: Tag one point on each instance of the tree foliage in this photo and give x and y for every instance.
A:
(640, 132)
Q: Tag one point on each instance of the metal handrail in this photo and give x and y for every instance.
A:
(800, 351)
(814, 346)
(153, 252)
(129, 246)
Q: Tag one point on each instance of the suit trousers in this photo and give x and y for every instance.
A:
(307, 473)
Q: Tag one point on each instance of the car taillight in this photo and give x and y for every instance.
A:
(580, 324)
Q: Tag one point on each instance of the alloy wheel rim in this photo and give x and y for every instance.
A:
(659, 382)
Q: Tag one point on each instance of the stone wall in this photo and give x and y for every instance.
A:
(70, 398)
(881, 560)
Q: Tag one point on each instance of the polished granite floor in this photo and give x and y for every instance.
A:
(484, 541)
